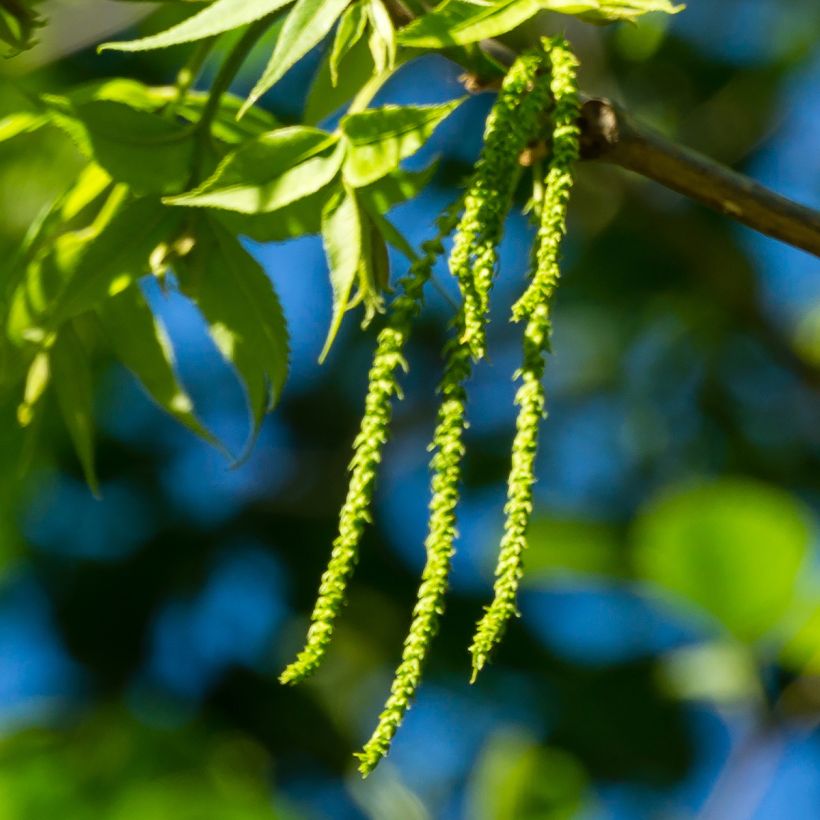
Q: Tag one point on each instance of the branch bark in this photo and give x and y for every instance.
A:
(611, 135)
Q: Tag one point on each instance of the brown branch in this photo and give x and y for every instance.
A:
(611, 135)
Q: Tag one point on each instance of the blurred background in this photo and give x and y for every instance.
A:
(667, 662)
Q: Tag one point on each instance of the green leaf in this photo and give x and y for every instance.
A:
(140, 342)
(71, 376)
(243, 313)
(300, 218)
(380, 138)
(21, 122)
(395, 188)
(342, 236)
(149, 153)
(734, 548)
(382, 42)
(324, 97)
(37, 381)
(351, 27)
(82, 268)
(269, 172)
(457, 22)
(217, 18)
(305, 27)
(613, 10)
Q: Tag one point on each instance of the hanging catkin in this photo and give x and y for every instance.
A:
(367, 449)
(515, 120)
(448, 451)
(534, 307)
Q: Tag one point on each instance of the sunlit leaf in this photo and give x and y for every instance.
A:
(268, 173)
(380, 138)
(217, 18)
(21, 122)
(351, 27)
(305, 27)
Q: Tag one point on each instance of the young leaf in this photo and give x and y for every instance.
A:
(305, 27)
(268, 173)
(71, 376)
(243, 312)
(349, 31)
(149, 153)
(381, 137)
(217, 18)
(383, 36)
(342, 236)
(140, 342)
(457, 22)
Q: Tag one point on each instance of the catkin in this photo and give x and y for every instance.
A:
(445, 465)
(534, 306)
(515, 120)
(367, 450)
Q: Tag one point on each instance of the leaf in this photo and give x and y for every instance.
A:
(84, 267)
(305, 27)
(380, 138)
(37, 381)
(394, 188)
(71, 377)
(269, 172)
(21, 122)
(342, 236)
(324, 97)
(217, 18)
(383, 36)
(457, 22)
(300, 218)
(613, 10)
(351, 27)
(140, 342)
(243, 313)
(732, 547)
(147, 152)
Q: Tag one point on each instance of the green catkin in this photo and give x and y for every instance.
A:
(445, 465)
(534, 306)
(373, 434)
(514, 122)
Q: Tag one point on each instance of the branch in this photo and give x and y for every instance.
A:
(611, 135)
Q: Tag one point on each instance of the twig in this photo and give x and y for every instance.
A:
(611, 135)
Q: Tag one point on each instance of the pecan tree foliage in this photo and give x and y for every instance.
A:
(175, 176)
